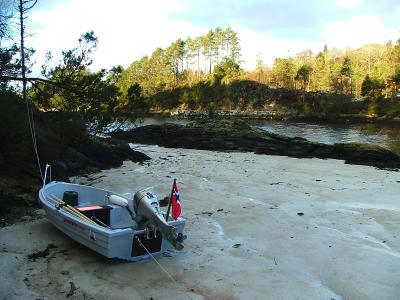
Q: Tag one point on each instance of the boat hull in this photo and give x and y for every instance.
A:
(119, 243)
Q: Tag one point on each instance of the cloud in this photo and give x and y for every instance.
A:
(279, 18)
(127, 30)
(397, 11)
(267, 48)
(348, 3)
(357, 31)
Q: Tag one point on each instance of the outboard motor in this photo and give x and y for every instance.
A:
(147, 210)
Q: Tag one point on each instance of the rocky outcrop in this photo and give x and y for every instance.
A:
(238, 136)
(19, 189)
(279, 115)
(96, 154)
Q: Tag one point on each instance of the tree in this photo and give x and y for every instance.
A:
(283, 72)
(197, 47)
(217, 44)
(232, 44)
(10, 65)
(23, 8)
(303, 75)
(259, 69)
(346, 75)
(114, 74)
(320, 77)
(72, 89)
(393, 84)
(342, 82)
(6, 14)
(372, 88)
(135, 98)
(13, 66)
(175, 54)
(207, 42)
(347, 69)
(226, 71)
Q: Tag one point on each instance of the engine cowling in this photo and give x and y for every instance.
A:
(148, 211)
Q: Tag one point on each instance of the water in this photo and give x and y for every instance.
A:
(385, 135)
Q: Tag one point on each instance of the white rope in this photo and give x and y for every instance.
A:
(34, 138)
(164, 270)
(31, 122)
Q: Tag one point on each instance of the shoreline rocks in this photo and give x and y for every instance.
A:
(19, 189)
(227, 135)
(274, 115)
(96, 154)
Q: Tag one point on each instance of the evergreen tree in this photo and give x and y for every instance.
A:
(303, 75)
(283, 71)
(372, 87)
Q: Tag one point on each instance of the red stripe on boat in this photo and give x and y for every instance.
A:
(86, 208)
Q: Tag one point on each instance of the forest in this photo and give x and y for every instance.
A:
(196, 59)
(205, 71)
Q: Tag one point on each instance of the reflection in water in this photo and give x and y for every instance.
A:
(379, 134)
(385, 135)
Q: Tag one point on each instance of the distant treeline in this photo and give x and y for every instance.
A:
(188, 73)
(341, 71)
(184, 62)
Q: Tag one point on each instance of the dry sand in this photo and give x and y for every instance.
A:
(259, 227)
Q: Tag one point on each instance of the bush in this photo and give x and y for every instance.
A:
(16, 145)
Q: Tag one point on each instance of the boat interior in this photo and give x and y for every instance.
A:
(93, 203)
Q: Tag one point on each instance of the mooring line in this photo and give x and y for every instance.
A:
(164, 270)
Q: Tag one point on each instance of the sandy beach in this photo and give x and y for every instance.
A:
(258, 226)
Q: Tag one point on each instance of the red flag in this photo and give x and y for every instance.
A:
(175, 202)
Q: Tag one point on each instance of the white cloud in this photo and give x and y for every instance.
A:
(352, 33)
(268, 48)
(127, 30)
(348, 3)
(357, 31)
(397, 11)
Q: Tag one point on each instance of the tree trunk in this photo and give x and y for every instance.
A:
(22, 31)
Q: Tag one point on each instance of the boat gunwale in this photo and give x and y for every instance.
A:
(64, 213)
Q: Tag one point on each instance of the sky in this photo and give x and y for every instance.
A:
(130, 29)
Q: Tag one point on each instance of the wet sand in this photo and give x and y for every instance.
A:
(259, 227)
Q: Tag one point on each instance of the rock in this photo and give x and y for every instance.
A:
(208, 213)
(74, 159)
(227, 135)
(43, 253)
(95, 154)
(72, 289)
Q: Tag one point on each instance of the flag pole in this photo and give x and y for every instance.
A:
(170, 200)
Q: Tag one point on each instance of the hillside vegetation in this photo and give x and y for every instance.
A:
(205, 72)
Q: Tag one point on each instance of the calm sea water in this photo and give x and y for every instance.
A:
(384, 135)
